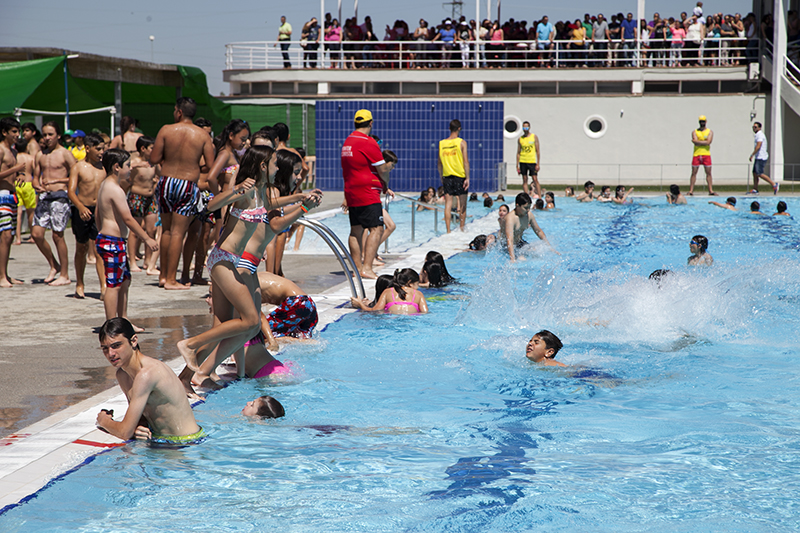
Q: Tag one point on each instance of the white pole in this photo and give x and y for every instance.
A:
(477, 33)
(776, 110)
(321, 27)
(489, 10)
(355, 9)
(641, 14)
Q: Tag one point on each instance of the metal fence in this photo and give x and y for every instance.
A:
(258, 55)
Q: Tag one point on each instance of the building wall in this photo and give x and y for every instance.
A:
(647, 139)
(412, 129)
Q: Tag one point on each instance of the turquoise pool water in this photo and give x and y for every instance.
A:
(689, 419)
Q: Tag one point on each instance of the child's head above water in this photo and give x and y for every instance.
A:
(265, 407)
(543, 347)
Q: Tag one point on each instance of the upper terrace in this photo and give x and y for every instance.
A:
(423, 68)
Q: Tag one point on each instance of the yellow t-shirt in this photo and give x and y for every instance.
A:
(702, 135)
(527, 149)
(452, 158)
(79, 153)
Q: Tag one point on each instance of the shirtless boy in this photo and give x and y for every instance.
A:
(178, 149)
(543, 347)
(84, 181)
(296, 314)
(730, 204)
(674, 196)
(699, 256)
(30, 134)
(153, 391)
(9, 131)
(113, 220)
(52, 210)
(517, 221)
(142, 201)
(26, 194)
(588, 192)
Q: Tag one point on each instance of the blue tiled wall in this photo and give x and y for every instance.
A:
(412, 130)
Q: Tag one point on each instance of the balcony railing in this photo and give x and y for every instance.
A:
(260, 55)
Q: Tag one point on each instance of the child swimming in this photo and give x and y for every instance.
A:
(401, 298)
(265, 407)
(434, 271)
(543, 347)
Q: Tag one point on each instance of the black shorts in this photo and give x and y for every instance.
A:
(366, 216)
(454, 186)
(84, 230)
(527, 169)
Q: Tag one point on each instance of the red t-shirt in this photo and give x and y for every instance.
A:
(360, 154)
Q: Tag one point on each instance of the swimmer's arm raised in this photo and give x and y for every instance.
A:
(138, 393)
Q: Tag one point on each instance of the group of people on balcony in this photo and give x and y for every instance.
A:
(691, 39)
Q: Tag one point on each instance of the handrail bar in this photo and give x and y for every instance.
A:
(341, 254)
(417, 201)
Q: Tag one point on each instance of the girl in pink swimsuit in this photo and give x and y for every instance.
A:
(401, 298)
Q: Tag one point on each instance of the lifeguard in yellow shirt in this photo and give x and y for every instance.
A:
(454, 170)
(528, 158)
(701, 138)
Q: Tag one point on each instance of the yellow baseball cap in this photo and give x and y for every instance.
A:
(701, 118)
(363, 115)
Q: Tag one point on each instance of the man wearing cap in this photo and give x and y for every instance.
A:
(79, 150)
(361, 154)
(701, 138)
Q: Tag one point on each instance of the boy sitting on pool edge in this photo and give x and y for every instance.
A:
(543, 347)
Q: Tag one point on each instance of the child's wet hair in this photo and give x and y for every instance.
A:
(550, 341)
(269, 407)
(383, 282)
(403, 278)
(701, 241)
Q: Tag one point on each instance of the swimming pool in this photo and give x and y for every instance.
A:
(438, 423)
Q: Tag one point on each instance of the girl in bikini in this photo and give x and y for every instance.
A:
(265, 226)
(401, 298)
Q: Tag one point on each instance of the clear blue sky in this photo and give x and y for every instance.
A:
(196, 34)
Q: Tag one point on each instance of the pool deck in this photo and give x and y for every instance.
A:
(56, 380)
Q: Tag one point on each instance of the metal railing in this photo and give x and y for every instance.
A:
(432, 207)
(259, 55)
(342, 254)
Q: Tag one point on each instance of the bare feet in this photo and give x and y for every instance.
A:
(199, 281)
(91, 259)
(175, 286)
(206, 383)
(52, 274)
(5, 284)
(15, 281)
(59, 281)
(153, 272)
(189, 355)
(369, 274)
(79, 292)
(137, 329)
(134, 267)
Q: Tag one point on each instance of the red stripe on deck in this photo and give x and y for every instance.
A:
(11, 439)
(99, 444)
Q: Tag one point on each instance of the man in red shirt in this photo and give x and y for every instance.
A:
(361, 154)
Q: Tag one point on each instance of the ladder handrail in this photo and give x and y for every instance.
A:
(340, 252)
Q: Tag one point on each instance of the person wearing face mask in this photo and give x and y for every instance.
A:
(528, 157)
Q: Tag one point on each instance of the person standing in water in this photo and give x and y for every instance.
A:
(699, 257)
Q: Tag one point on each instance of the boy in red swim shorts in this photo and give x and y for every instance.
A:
(113, 218)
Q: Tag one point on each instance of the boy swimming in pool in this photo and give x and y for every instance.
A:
(699, 257)
(543, 347)
(152, 388)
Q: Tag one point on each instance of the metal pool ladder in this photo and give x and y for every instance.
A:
(342, 254)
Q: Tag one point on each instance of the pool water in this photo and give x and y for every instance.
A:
(679, 411)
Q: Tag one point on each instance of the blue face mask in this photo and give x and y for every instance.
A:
(240, 153)
(526, 130)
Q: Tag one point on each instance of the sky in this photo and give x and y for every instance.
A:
(194, 33)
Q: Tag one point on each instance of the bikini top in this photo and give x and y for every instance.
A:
(395, 301)
(230, 169)
(255, 214)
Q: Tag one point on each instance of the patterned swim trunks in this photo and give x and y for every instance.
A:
(177, 196)
(142, 206)
(8, 212)
(52, 211)
(113, 250)
(295, 317)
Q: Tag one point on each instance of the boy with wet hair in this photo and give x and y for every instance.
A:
(755, 208)
(84, 181)
(588, 192)
(781, 209)
(730, 203)
(152, 388)
(543, 347)
(699, 257)
(113, 220)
